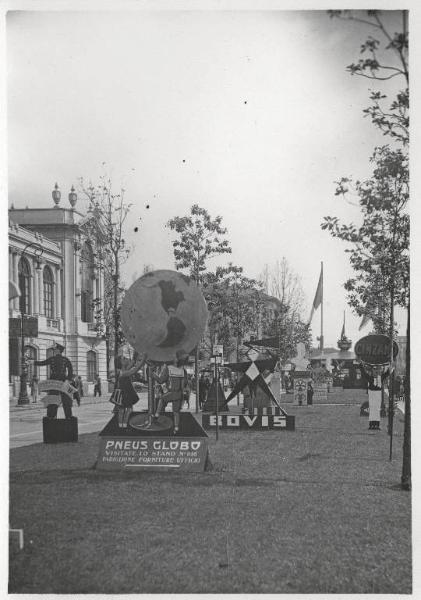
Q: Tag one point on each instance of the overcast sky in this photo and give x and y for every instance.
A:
(250, 114)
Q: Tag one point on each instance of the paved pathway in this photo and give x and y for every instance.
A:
(93, 414)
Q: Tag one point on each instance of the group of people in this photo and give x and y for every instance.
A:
(171, 386)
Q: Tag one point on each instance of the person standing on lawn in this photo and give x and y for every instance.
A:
(174, 379)
(60, 369)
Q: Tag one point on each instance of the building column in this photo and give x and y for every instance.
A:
(57, 304)
(15, 260)
(78, 283)
(41, 306)
(36, 289)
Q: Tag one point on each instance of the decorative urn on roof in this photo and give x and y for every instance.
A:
(72, 197)
(344, 343)
(56, 194)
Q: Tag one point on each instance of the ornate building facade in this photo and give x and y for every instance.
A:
(53, 261)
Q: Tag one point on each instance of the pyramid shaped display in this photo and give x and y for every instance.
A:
(210, 404)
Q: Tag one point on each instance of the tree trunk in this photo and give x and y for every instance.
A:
(107, 349)
(196, 376)
(116, 280)
(406, 464)
(392, 372)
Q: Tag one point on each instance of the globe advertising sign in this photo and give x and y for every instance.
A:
(375, 349)
(163, 313)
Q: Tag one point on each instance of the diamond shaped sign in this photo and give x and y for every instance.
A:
(252, 372)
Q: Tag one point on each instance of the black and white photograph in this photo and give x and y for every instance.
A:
(208, 320)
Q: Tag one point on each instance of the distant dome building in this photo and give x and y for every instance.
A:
(345, 370)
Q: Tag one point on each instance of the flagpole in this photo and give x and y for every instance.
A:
(321, 317)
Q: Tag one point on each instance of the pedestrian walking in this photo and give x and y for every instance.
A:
(34, 388)
(76, 395)
(79, 385)
(97, 386)
(310, 393)
(202, 391)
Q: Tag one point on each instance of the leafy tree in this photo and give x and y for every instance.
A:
(379, 247)
(383, 238)
(107, 212)
(393, 120)
(286, 321)
(200, 237)
(245, 305)
(283, 283)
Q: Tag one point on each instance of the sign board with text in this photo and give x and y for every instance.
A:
(375, 349)
(251, 422)
(30, 327)
(54, 385)
(153, 453)
(217, 354)
(144, 449)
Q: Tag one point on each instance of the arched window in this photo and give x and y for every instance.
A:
(50, 352)
(91, 368)
(87, 258)
(48, 292)
(24, 276)
(31, 354)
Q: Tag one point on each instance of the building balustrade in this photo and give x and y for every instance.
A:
(53, 323)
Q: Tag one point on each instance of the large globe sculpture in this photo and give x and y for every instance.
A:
(162, 313)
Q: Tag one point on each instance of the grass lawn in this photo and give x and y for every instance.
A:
(318, 510)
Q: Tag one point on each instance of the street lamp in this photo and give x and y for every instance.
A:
(23, 392)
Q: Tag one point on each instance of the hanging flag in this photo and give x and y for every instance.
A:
(364, 322)
(318, 297)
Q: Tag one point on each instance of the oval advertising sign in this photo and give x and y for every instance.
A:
(375, 349)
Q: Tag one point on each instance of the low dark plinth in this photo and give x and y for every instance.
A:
(250, 421)
(57, 431)
(137, 448)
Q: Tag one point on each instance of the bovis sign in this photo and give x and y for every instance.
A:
(249, 422)
(375, 349)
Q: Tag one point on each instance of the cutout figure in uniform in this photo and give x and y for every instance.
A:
(375, 378)
(60, 369)
(173, 379)
(125, 369)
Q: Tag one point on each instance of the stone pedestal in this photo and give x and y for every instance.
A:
(57, 431)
